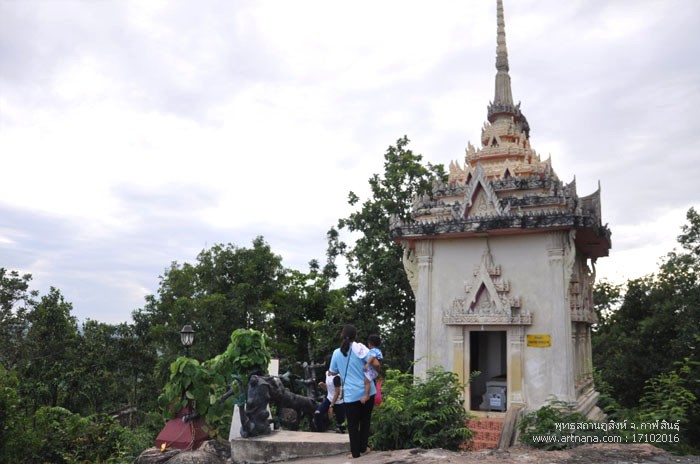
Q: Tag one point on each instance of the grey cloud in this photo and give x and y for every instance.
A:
(38, 39)
(165, 201)
(622, 109)
(103, 276)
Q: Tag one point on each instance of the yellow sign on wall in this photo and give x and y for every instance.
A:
(539, 340)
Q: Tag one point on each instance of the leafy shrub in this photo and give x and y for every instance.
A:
(668, 408)
(131, 444)
(606, 401)
(60, 436)
(248, 353)
(418, 413)
(192, 383)
(201, 385)
(556, 426)
(666, 396)
(57, 435)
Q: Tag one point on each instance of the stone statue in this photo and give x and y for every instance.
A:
(255, 418)
(263, 390)
(283, 398)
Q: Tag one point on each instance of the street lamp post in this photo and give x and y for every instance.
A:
(187, 338)
(186, 431)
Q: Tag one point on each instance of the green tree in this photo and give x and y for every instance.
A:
(657, 325)
(136, 384)
(607, 297)
(626, 347)
(50, 344)
(12, 418)
(295, 313)
(679, 284)
(305, 319)
(164, 314)
(246, 278)
(15, 301)
(228, 288)
(231, 288)
(112, 370)
(382, 299)
(321, 312)
(94, 376)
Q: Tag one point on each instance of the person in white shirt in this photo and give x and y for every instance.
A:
(332, 404)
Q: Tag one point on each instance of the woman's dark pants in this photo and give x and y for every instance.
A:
(359, 418)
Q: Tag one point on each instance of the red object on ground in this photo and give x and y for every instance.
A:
(182, 435)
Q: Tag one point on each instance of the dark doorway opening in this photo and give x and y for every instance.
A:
(487, 354)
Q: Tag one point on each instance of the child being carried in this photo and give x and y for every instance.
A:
(371, 373)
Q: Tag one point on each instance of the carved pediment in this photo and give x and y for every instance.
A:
(480, 198)
(487, 299)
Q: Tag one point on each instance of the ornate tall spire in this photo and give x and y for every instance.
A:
(504, 95)
(503, 188)
(502, 104)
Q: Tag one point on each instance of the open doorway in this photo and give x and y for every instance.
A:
(487, 354)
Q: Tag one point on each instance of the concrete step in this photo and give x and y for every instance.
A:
(283, 445)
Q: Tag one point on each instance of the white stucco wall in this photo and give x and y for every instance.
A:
(534, 265)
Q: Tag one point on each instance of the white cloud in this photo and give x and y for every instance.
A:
(134, 134)
(639, 248)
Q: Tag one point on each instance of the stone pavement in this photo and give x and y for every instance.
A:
(587, 454)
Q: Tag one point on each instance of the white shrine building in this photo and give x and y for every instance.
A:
(501, 259)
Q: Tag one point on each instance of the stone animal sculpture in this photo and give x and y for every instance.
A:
(263, 390)
(255, 418)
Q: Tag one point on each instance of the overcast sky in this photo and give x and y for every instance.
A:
(134, 134)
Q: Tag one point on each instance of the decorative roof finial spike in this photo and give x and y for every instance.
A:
(501, 50)
(504, 95)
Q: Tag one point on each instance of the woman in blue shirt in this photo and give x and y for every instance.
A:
(349, 361)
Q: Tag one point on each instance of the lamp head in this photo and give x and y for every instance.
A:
(187, 336)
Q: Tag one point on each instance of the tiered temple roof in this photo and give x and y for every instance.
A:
(504, 187)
